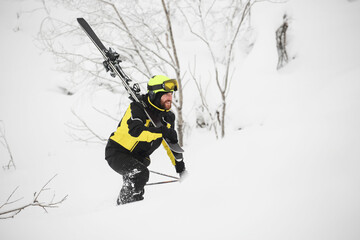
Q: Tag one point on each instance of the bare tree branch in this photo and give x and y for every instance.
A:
(232, 18)
(89, 133)
(203, 99)
(131, 36)
(5, 143)
(179, 106)
(8, 199)
(105, 113)
(34, 203)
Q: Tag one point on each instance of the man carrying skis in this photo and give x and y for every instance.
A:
(129, 148)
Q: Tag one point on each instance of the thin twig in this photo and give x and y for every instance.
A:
(5, 143)
(85, 127)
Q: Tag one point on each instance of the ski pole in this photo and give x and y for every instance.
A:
(162, 174)
(156, 183)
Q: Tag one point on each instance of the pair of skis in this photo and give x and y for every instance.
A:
(111, 64)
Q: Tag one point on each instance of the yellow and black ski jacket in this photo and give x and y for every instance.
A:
(136, 135)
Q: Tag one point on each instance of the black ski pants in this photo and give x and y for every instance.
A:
(127, 165)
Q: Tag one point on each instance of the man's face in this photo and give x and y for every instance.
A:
(166, 101)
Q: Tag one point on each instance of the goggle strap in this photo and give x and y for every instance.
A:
(155, 87)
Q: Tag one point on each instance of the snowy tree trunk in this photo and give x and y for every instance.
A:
(281, 43)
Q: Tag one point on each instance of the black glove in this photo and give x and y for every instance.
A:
(167, 118)
(180, 167)
(170, 134)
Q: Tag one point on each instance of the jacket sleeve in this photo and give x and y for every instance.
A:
(139, 124)
(169, 152)
(176, 158)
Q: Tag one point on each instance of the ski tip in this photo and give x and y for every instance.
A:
(80, 19)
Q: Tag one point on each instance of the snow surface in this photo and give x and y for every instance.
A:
(291, 172)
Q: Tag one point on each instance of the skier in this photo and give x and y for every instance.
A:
(129, 148)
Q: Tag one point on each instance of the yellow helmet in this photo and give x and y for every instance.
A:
(161, 83)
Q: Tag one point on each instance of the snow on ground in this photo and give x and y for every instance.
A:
(291, 172)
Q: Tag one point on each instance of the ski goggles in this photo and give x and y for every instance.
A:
(168, 85)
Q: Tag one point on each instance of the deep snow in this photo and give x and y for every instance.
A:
(291, 172)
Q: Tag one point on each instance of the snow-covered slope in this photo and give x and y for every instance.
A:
(291, 172)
